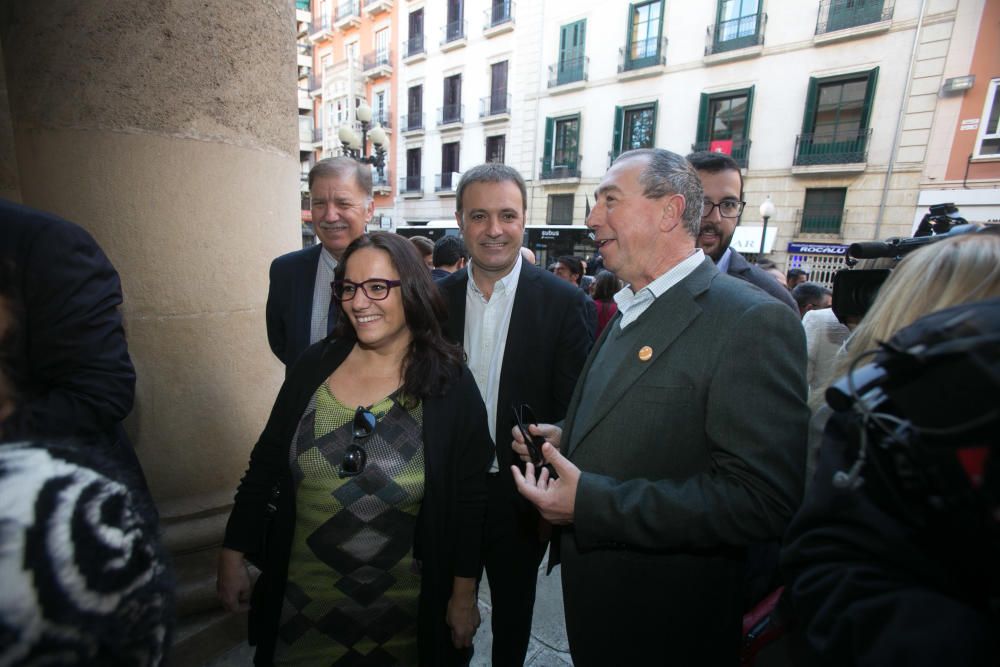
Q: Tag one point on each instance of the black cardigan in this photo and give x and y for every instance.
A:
(448, 539)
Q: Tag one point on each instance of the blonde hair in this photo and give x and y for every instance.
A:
(944, 274)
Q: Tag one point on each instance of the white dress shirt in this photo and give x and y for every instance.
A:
(632, 305)
(486, 326)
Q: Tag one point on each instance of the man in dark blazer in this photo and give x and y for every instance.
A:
(525, 335)
(684, 441)
(722, 182)
(300, 309)
(65, 353)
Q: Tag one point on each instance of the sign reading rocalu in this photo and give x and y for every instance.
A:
(817, 249)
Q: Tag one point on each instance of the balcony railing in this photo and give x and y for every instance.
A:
(321, 24)
(550, 172)
(568, 70)
(643, 53)
(385, 120)
(411, 122)
(498, 14)
(383, 182)
(411, 184)
(740, 149)
(317, 135)
(351, 9)
(823, 148)
(413, 46)
(841, 14)
(376, 6)
(452, 32)
(821, 220)
(377, 59)
(733, 34)
(494, 105)
(315, 82)
(450, 113)
(447, 181)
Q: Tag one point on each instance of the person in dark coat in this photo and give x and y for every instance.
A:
(722, 181)
(375, 532)
(67, 352)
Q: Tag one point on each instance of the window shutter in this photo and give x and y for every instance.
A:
(656, 106)
(628, 32)
(809, 117)
(749, 113)
(616, 137)
(550, 125)
(869, 98)
(703, 129)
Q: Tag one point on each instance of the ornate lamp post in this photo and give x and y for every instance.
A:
(357, 147)
(766, 212)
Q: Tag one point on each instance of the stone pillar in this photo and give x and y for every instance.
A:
(168, 130)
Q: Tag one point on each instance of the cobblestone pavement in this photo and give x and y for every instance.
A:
(548, 646)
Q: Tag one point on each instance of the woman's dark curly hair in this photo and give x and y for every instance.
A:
(432, 362)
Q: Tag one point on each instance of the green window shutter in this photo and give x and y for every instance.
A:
(746, 119)
(550, 125)
(703, 129)
(656, 105)
(628, 32)
(869, 98)
(809, 117)
(659, 37)
(576, 144)
(616, 140)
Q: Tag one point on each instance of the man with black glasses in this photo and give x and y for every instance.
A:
(685, 439)
(723, 184)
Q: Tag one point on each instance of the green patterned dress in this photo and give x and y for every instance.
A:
(351, 597)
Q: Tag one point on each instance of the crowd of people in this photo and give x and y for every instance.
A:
(451, 410)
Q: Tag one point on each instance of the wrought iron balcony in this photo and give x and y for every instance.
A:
(446, 182)
(740, 150)
(348, 14)
(320, 28)
(315, 83)
(494, 105)
(820, 220)
(498, 14)
(568, 70)
(841, 14)
(377, 6)
(738, 33)
(384, 119)
(452, 32)
(838, 148)
(551, 172)
(376, 60)
(643, 53)
(381, 183)
(411, 122)
(411, 184)
(414, 46)
(450, 113)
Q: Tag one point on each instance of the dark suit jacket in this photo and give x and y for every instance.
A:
(753, 274)
(547, 343)
(68, 356)
(687, 458)
(448, 536)
(290, 302)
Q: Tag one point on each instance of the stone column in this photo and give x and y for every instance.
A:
(168, 130)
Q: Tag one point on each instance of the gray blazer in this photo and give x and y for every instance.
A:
(688, 457)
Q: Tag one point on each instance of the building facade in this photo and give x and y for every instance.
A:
(353, 64)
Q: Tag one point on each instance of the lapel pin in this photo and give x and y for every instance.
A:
(645, 353)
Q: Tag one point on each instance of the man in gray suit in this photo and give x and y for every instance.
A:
(684, 441)
(722, 182)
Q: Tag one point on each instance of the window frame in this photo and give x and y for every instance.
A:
(738, 42)
(619, 134)
(549, 153)
(845, 151)
(992, 100)
(549, 220)
(646, 60)
(704, 136)
(502, 140)
(807, 227)
(570, 62)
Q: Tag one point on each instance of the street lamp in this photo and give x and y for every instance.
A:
(356, 146)
(766, 212)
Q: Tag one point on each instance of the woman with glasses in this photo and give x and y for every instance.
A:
(366, 493)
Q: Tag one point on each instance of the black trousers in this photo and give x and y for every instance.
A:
(513, 552)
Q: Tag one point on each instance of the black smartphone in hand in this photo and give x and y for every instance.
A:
(524, 417)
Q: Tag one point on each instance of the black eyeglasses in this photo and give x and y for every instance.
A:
(355, 456)
(376, 289)
(728, 208)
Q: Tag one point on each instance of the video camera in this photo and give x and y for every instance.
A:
(854, 290)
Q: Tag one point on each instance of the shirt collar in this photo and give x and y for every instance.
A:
(329, 260)
(723, 263)
(506, 284)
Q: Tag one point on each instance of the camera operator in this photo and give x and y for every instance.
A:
(883, 566)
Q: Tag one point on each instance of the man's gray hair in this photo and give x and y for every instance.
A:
(491, 172)
(343, 166)
(668, 173)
